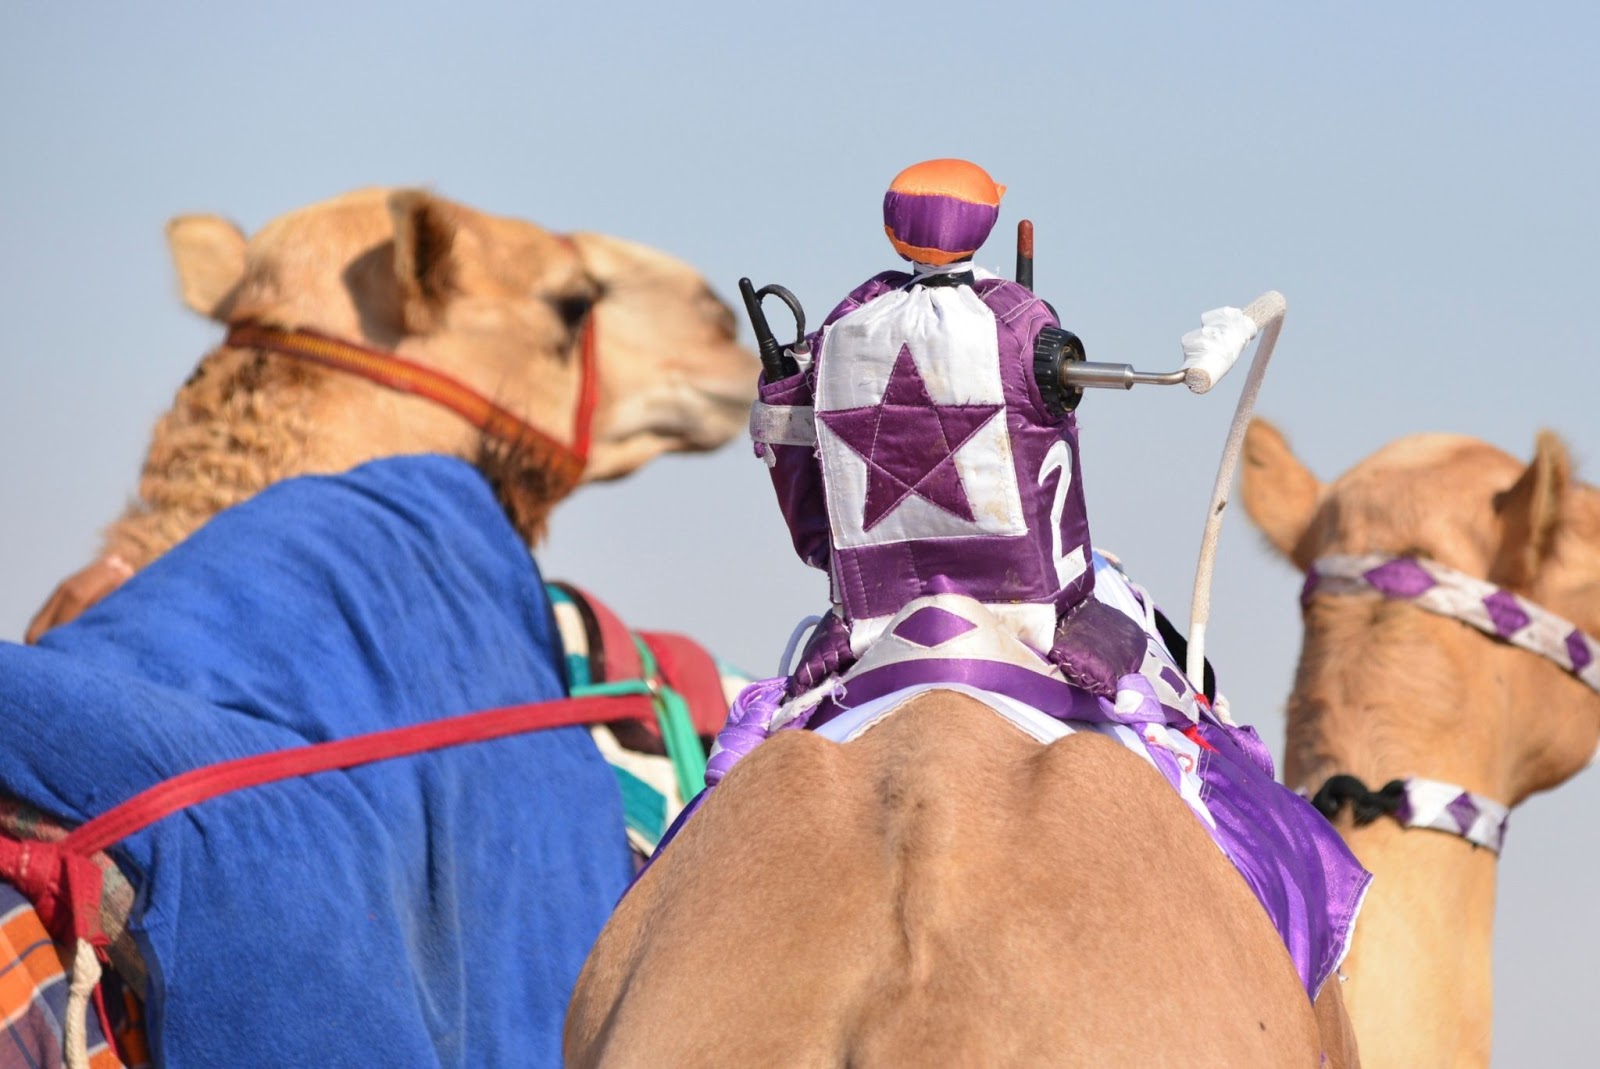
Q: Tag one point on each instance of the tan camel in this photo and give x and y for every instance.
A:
(1386, 691)
(945, 891)
(496, 303)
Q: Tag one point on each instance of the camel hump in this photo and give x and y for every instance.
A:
(901, 883)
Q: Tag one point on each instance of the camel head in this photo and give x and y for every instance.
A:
(1386, 684)
(497, 303)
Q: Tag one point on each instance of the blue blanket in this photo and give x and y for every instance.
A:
(427, 911)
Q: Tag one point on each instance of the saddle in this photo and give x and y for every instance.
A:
(659, 764)
(1307, 882)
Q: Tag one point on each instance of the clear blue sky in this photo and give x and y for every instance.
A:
(1419, 179)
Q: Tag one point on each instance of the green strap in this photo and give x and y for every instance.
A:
(672, 715)
(606, 690)
(672, 712)
(677, 729)
(644, 809)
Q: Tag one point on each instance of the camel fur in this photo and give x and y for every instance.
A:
(1385, 690)
(945, 891)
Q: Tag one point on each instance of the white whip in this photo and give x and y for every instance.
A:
(1266, 313)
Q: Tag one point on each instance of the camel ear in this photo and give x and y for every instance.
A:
(1280, 493)
(424, 235)
(208, 253)
(1530, 513)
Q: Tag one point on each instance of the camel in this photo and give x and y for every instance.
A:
(1386, 691)
(496, 303)
(943, 890)
(563, 359)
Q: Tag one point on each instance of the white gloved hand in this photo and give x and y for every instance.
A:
(1210, 351)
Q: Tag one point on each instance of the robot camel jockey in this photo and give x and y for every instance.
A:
(925, 453)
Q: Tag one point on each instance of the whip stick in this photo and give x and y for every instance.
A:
(1267, 312)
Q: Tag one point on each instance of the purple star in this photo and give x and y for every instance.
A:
(909, 443)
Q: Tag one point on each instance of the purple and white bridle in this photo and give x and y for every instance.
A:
(1423, 803)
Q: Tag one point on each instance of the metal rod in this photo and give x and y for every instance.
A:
(1089, 374)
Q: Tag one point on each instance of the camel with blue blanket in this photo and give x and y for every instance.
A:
(237, 771)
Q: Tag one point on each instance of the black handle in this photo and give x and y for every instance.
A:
(776, 361)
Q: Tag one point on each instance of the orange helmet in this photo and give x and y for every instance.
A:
(940, 211)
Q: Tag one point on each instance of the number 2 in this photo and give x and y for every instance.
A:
(1068, 565)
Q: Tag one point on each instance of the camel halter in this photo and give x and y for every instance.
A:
(1424, 803)
(564, 461)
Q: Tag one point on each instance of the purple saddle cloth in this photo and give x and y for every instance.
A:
(1300, 870)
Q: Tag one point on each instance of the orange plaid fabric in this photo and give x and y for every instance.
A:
(33, 1000)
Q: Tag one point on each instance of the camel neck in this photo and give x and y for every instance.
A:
(246, 420)
(1420, 976)
(1420, 964)
(240, 423)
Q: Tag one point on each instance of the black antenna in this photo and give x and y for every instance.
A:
(775, 361)
(1025, 253)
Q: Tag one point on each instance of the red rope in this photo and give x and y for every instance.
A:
(192, 788)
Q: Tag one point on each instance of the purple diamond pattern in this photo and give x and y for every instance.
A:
(1507, 615)
(1402, 577)
(1504, 615)
(1464, 811)
(1578, 651)
(932, 626)
(1309, 587)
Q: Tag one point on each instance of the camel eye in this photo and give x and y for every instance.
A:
(572, 309)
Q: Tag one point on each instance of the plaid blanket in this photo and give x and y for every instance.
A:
(33, 998)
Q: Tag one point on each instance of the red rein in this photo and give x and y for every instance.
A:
(566, 460)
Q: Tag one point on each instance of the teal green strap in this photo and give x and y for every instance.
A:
(677, 729)
(643, 807)
(672, 715)
(606, 690)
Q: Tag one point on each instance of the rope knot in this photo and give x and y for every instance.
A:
(1366, 805)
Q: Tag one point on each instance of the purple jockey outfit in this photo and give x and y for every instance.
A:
(933, 466)
(917, 462)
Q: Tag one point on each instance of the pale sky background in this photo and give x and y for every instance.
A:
(1418, 179)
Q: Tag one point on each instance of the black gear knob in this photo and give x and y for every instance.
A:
(1053, 349)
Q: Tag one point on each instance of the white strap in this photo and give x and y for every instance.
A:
(1448, 808)
(801, 630)
(783, 424)
(1478, 603)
